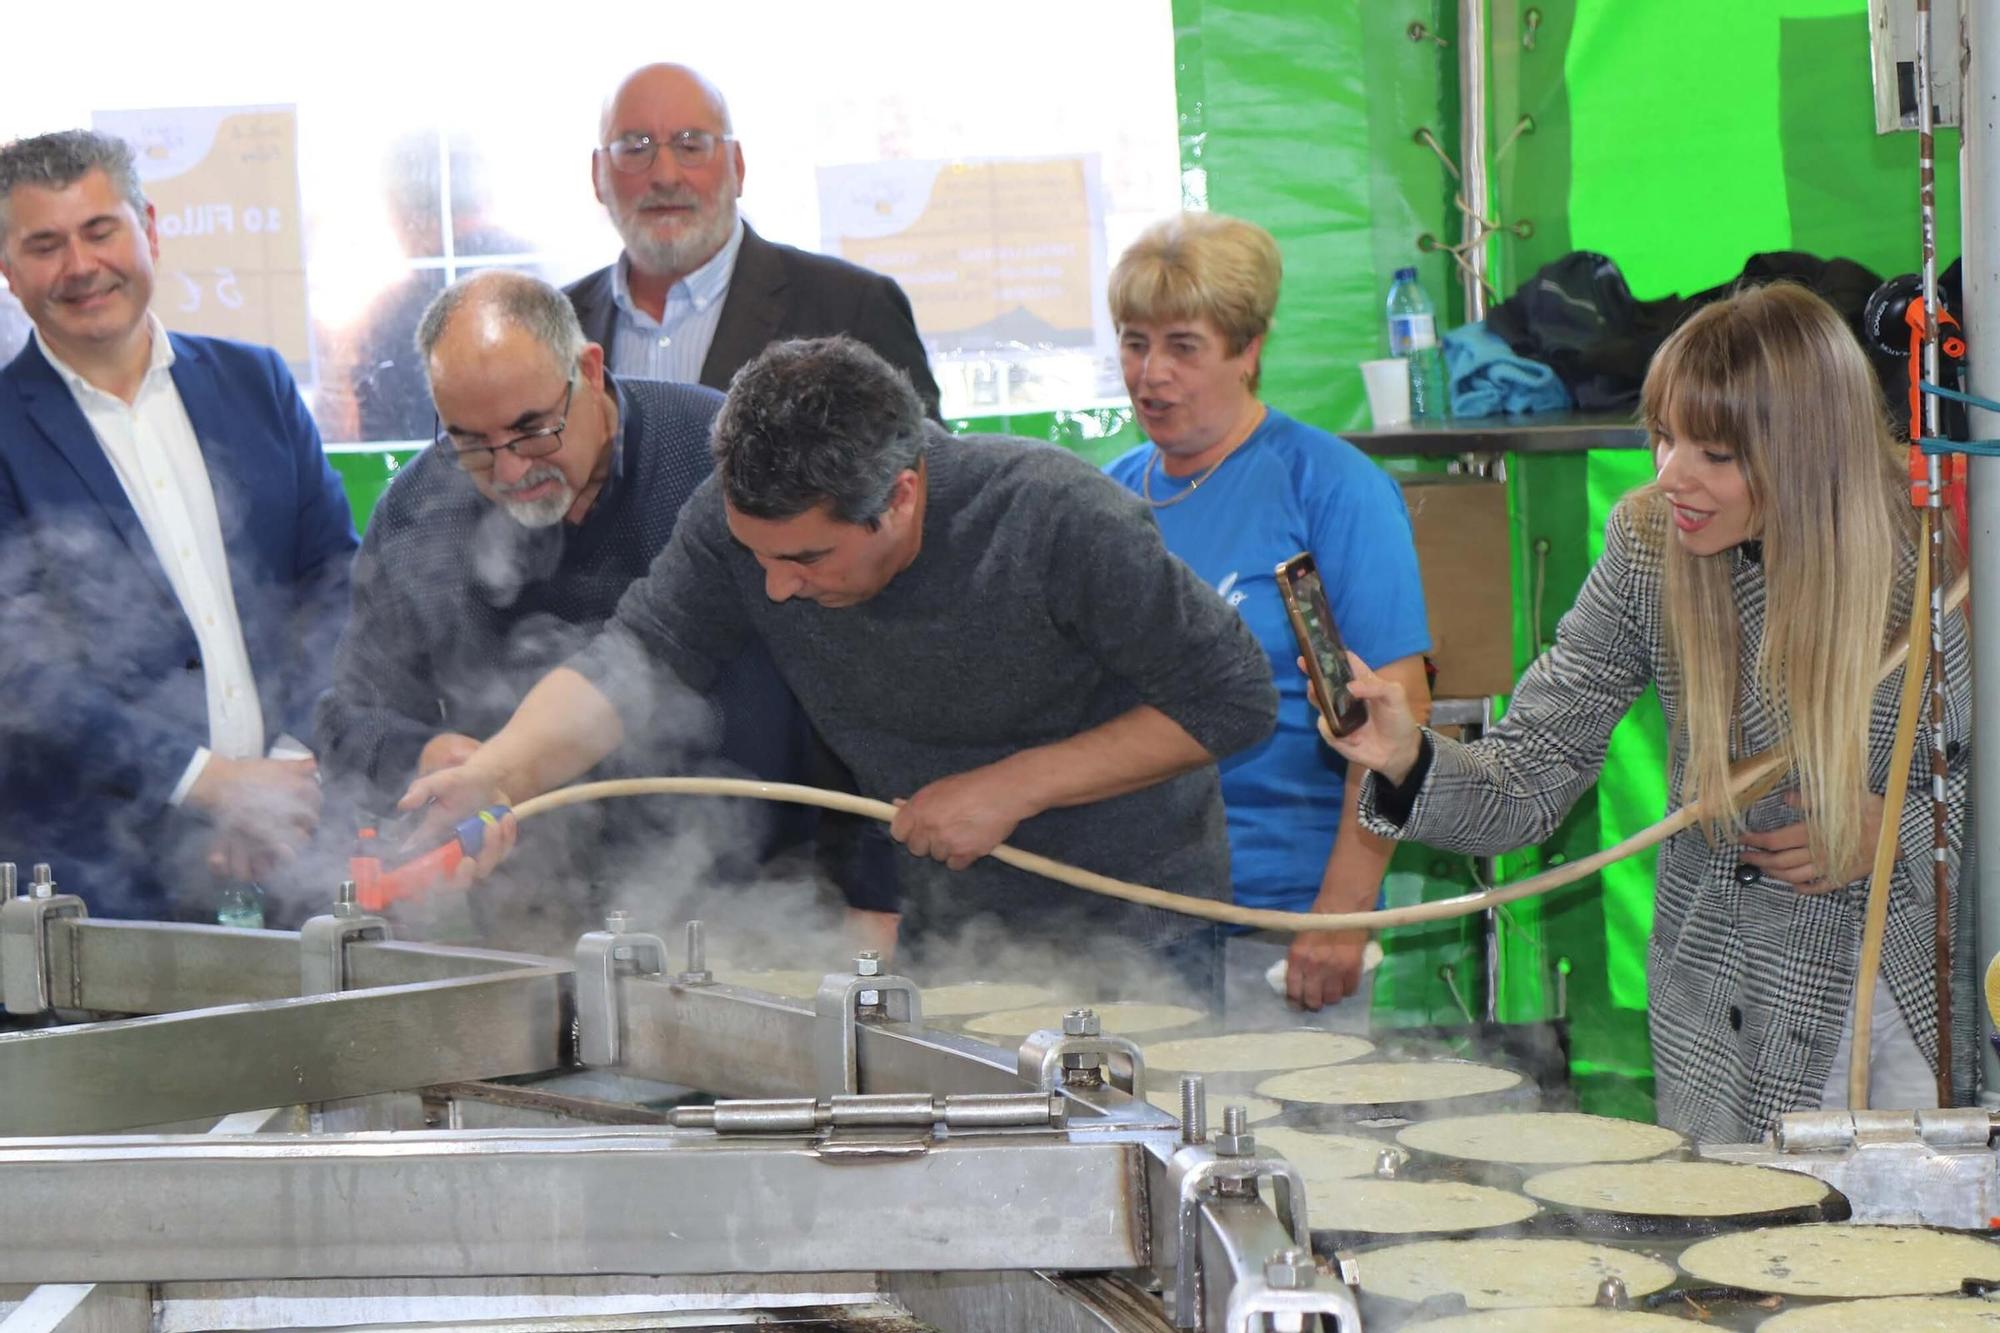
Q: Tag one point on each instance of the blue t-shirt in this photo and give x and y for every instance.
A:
(1289, 488)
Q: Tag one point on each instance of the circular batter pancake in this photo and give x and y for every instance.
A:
(1256, 1052)
(1119, 1019)
(1497, 1274)
(1540, 1138)
(1678, 1189)
(981, 997)
(1829, 1259)
(1905, 1314)
(1255, 1109)
(1325, 1159)
(1372, 1083)
(1413, 1207)
(793, 985)
(1547, 1319)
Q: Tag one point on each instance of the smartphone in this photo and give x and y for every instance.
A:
(1319, 642)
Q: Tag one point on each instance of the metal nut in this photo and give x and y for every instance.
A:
(1289, 1270)
(618, 923)
(1611, 1294)
(868, 964)
(1227, 1144)
(1082, 1023)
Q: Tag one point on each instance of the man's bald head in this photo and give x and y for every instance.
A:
(480, 313)
(668, 170)
(661, 83)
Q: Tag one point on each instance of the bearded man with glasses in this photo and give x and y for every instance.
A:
(499, 552)
(698, 292)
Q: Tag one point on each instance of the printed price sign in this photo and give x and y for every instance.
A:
(224, 183)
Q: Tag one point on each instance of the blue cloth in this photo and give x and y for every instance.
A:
(1488, 379)
(98, 663)
(1289, 488)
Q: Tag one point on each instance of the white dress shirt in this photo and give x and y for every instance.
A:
(674, 346)
(151, 446)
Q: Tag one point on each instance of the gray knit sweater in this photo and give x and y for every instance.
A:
(1041, 604)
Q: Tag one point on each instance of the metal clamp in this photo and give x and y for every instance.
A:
(1082, 1055)
(846, 1000)
(1231, 1167)
(24, 938)
(1290, 1285)
(601, 957)
(323, 942)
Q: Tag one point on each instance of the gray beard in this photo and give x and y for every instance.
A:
(684, 254)
(540, 513)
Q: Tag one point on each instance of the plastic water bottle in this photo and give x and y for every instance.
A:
(241, 905)
(1413, 335)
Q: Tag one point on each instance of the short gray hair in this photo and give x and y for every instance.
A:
(817, 421)
(522, 300)
(58, 161)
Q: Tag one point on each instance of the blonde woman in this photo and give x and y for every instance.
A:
(1757, 582)
(1237, 488)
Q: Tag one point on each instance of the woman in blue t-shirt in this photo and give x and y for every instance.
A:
(1237, 488)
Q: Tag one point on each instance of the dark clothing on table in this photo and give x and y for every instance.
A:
(776, 293)
(1041, 604)
(459, 610)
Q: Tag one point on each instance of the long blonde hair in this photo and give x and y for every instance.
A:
(1774, 375)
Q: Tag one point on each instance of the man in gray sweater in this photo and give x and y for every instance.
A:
(985, 630)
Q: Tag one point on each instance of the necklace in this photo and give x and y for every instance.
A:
(1146, 480)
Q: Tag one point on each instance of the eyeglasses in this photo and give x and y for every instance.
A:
(538, 443)
(633, 153)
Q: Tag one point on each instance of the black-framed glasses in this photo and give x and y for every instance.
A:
(633, 153)
(531, 444)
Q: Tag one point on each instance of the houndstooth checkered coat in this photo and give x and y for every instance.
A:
(1749, 983)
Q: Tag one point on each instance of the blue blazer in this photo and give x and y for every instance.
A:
(102, 698)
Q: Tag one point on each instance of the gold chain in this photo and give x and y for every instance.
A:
(1146, 480)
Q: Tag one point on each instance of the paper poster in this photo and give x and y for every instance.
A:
(994, 255)
(224, 183)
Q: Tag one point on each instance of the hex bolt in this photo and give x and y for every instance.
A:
(1611, 1294)
(1235, 1139)
(1194, 1109)
(345, 899)
(1290, 1270)
(9, 877)
(868, 964)
(1082, 1023)
(41, 880)
(1386, 1166)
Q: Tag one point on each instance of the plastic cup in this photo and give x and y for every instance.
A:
(1388, 383)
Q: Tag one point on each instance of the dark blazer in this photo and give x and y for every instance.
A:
(777, 293)
(100, 672)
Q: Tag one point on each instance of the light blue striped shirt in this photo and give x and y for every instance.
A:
(672, 347)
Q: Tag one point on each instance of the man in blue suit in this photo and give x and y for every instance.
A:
(174, 553)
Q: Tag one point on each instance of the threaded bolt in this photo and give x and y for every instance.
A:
(9, 877)
(1386, 1166)
(1234, 1119)
(41, 880)
(1194, 1109)
(345, 899)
